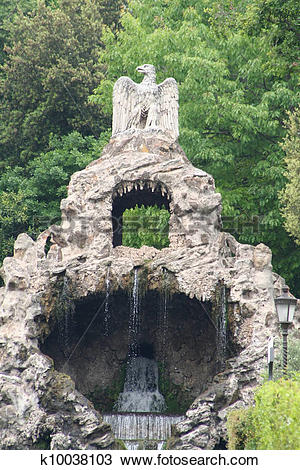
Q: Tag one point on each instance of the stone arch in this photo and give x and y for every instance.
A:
(128, 194)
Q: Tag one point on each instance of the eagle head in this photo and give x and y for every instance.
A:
(146, 69)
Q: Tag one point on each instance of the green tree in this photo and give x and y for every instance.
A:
(146, 226)
(50, 70)
(51, 67)
(30, 201)
(278, 21)
(235, 87)
(14, 219)
(111, 11)
(290, 196)
(8, 10)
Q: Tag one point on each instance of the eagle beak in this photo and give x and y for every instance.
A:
(140, 69)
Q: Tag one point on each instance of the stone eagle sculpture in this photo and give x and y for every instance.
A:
(145, 105)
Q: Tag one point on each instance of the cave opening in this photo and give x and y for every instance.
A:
(96, 357)
(142, 195)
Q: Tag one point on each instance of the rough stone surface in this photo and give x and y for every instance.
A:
(39, 405)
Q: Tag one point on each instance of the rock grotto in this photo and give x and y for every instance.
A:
(72, 315)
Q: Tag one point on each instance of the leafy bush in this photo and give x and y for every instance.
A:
(239, 429)
(273, 423)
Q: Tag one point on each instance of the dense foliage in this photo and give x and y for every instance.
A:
(48, 128)
(29, 201)
(236, 85)
(50, 70)
(237, 68)
(273, 423)
(8, 10)
(146, 226)
(290, 197)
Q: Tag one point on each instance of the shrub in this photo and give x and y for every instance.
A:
(273, 423)
(240, 429)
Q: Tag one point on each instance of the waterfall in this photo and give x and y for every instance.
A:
(134, 317)
(221, 333)
(138, 406)
(107, 312)
(141, 392)
(133, 428)
(66, 319)
(163, 316)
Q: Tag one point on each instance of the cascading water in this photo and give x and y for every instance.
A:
(141, 394)
(221, 333)
(65, 323)
(163, 315)
(136, 429)
(140, 403)
(107, 312)
(141, 384)
(134, 317)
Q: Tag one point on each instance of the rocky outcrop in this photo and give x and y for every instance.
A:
(40, 404)
(39, 407)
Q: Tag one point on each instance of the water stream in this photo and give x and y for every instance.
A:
(163, 316)
(141, 392)
(222, 324)
(134, 317)
(66, 320)
(107, 312)
(138, 429)
(138, 420)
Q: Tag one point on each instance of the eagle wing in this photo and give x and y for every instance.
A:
(125, 98)
(168, 103)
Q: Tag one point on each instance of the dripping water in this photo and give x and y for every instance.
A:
(140, 403)
(134, 317)
(163, 316)
(133, 371)
(221, 333)
(66, 320)
(107, 312)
